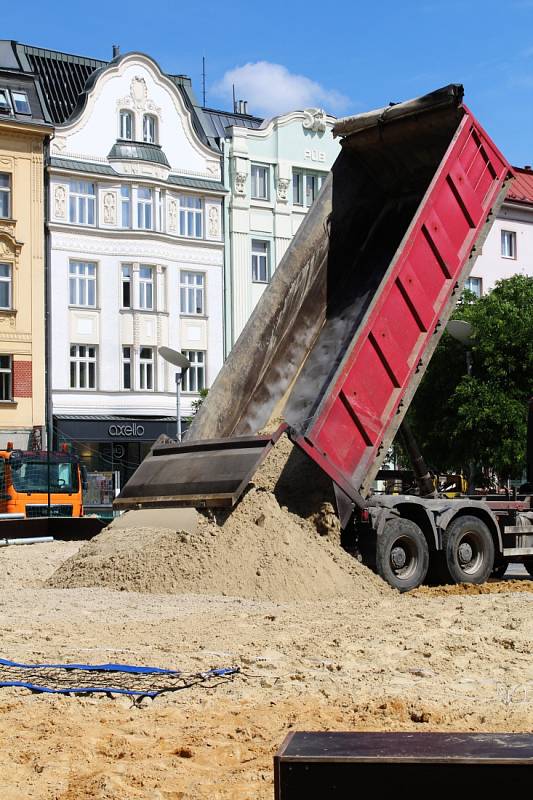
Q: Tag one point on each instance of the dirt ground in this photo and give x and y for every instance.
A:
(426, 662)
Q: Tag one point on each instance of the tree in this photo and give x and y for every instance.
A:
(458, 418)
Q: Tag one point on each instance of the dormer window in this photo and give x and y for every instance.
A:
(126, 125)
(5, 105)
(149, 128)
(21, 102)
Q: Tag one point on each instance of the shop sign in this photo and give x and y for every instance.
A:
(126, 430)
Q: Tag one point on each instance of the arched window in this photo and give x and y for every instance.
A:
(126, 125)
(149, 129)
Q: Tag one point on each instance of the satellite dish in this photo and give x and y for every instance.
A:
(461, 330)
(174, 357)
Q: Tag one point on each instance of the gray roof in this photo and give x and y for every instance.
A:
(14, 78)
(196, 183)
(218, 121)
(106, 169)
(64, 79)
(139, 151)
(82, 166)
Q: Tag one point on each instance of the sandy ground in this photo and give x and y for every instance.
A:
(434, 661)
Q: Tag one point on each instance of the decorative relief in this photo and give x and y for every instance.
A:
(283, 188)
(240, 183)
(7, 320)
(213, 227)
(314, 120)
(138, 98)
(213, 169)
(60, 199)
(142, 252)
(59, 144)
(110, 208)
(172, 215)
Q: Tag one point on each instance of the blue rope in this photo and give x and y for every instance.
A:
(95, 668)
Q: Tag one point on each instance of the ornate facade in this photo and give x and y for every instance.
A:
(23, 133)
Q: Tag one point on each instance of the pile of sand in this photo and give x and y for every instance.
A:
(260, 550)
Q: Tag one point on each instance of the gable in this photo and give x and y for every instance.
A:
(135, 84)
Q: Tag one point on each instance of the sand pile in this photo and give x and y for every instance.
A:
(260, 550)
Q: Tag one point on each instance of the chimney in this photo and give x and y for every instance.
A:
(116, 50)
(245, 106)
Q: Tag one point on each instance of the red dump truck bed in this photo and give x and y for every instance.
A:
(341, 338)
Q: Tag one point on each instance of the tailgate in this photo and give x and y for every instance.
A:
(209, 473)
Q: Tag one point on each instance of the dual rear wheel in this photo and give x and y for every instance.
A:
(402, 553)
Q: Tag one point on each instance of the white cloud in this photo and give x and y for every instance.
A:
(271, 89)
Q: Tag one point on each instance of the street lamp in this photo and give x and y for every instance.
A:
(178, 360)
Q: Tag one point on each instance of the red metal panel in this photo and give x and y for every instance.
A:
(377, 370)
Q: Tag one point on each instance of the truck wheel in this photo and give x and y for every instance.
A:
(469, 550)
(402, 554)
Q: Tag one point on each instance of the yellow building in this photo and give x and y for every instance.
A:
(24, 133)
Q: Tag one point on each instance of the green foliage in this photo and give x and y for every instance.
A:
(196, 404)
(458, 418)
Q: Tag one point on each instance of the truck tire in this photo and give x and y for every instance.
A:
(469, 550)
(402, 554)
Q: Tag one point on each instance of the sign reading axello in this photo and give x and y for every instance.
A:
(126, 430)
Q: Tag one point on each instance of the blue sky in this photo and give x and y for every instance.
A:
(344, 56)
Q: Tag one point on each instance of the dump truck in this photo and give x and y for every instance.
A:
(340, 340)
(38, 483)
(41, 494)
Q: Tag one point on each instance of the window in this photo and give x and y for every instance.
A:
(82, 202)
(192, 288)
(125, 274)
(5, 286)
(260, 181)
(5, 195)
(126, 367)
(125, 202)
(145, 202)
(191, 217)
(508, 244)
(5, 105)
(149, 129)
(83, 366)
(260, 259)
(474, 285)
(82, 284)
(6, 377)
(146, 288)
(305, 188)
(146, 369)
(126, 125)
(20, 101)
(194, 379)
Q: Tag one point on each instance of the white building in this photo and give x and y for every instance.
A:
(508, 249)
(273, 170)
(136, 262)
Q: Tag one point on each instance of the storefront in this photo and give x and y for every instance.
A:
(111, 448)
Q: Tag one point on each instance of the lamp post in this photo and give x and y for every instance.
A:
(178, 360)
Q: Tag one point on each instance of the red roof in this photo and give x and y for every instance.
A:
(521, 190)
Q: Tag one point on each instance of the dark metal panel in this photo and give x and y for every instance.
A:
(64, 528)
(315, 766)
(198, 474)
